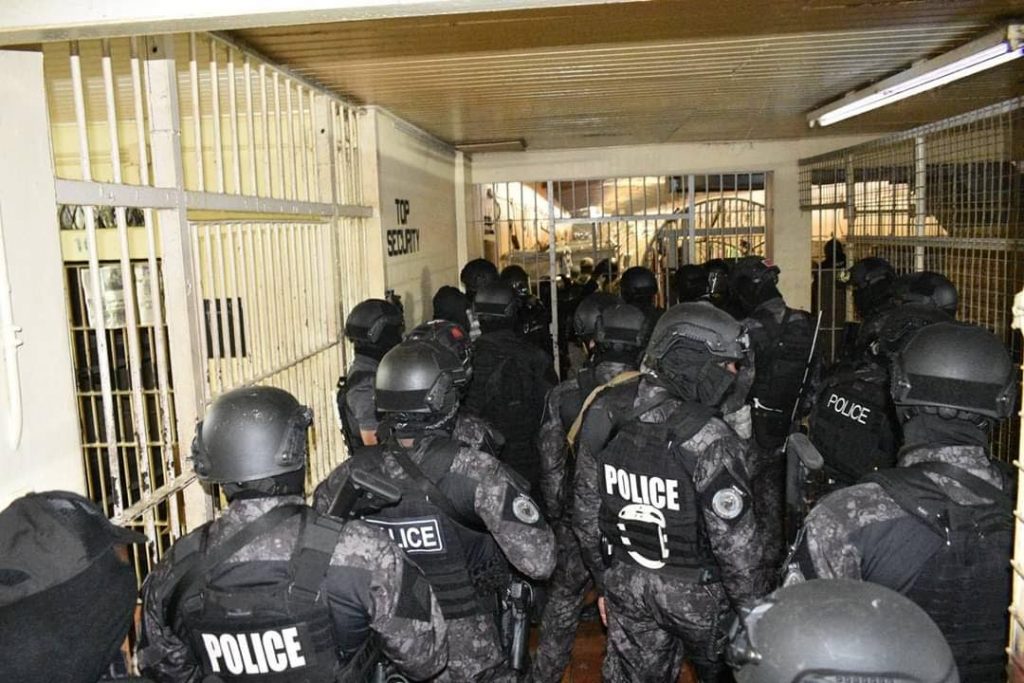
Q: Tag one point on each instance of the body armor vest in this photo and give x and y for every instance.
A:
(349, 425)
(460, 559)
(781, 353)
(279, 632)
(649, 510)
(965, 586)
(854, 425)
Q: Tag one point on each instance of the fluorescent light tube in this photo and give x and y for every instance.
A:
(969, 59)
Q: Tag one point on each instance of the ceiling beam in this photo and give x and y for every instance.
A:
(50, 20)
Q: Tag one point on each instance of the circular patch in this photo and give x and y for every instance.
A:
(525, 510)
(728, 503)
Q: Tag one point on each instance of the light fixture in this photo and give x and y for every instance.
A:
(514, 145)
(986, 52)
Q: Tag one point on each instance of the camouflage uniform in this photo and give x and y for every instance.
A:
(380, 591)
(570, 581)
(861, 532)
(479, 485)
(476, 432)
(655, 618)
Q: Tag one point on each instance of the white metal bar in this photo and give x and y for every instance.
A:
(156, 300)
(236, 158)
(264, 345)
(251, 126)
(257, 318)
(218, 142)
(197, 113)
(227, 361)
(278, 142)
(131, 331)
(553, 272)
(211, 316)
(920, 188)
(265, 121)
(235, 299)
(315, 114)
(307, 193)
(102, 351)
(291, 140)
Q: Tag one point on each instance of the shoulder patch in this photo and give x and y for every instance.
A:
(727, 503)
(525, 510)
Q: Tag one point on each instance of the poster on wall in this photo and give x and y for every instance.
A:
(111, 301)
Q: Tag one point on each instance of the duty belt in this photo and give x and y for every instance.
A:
(699, 575)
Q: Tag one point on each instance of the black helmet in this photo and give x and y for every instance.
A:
(607, 268)
(621, 326)
(451, 304)
(871, 279)
(750, 279)
(956, 371)
(250, 434)
(691, 282)
(375, 322)
(452, 337)
(638, 285)
(496, 301)
(584, 320)
(718, 279)
(928, 288)
(897, 325)
(476, 274)
(517, 277)
(688, 346)
(839, 630)
(417, 376)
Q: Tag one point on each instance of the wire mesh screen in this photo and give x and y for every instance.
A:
(660, 222)
(944, 197)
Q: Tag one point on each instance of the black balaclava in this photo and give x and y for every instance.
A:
(452, 305)
(693, 375)
(929, 429)
(287, 484)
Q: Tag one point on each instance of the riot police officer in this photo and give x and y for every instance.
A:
(661, 482)
(853, 420)
(782, 339)
(691, 283)
(511, 377)
(639, 287)
(273, 590)
(927, 288)
(470, 429)
(871, 280)
(462, 513)
(374, 327)
(534, 319)
(614, 335)
(839, 630)
(938, 528)
(476, 274)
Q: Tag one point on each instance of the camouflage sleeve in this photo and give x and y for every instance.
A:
(514, 519)
(404, 612)
(825, 547)
(723, 489)
(326, 490)
(162, 654)
(586, 506)
(553, 456)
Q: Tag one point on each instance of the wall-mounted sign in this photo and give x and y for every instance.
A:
(402, 241)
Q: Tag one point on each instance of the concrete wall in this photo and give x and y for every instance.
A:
(417, 191)
(790, 241)
(48, 454)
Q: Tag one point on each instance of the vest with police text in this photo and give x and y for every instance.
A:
(459, 562)
(853, 424)
(280, 632)
(649, 511)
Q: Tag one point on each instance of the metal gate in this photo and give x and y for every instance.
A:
(212, 225)
(660, 222)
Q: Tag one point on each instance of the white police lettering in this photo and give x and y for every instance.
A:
(642, 489)
(848, 408)
(255, 653)
(414, 535)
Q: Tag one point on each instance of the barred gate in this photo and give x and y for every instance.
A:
(212, 226)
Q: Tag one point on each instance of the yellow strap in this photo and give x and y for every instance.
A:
(621, 378)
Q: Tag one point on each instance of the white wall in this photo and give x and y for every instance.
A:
(791, 239)
(48, 456)
(421, 171)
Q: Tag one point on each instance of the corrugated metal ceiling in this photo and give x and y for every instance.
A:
(645, 72)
